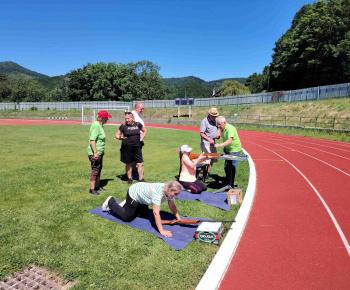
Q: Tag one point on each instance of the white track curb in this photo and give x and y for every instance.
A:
(217, 269)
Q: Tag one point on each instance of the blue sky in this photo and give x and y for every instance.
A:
(207, 39)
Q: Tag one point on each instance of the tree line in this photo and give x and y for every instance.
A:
(315, 51)
(103, 82)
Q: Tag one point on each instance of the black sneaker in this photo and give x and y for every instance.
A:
(129, 181)
(100, 189)
(94, 192)
(141, 180)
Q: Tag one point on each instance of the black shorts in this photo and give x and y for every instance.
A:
(130, 154)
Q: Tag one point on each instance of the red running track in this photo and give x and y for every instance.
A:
(298, 232)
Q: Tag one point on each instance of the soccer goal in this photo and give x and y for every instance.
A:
(89, 113)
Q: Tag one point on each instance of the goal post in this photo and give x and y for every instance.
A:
(89, 113)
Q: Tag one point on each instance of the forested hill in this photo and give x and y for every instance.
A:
(10, 68)
(182, 81)
(192, 79)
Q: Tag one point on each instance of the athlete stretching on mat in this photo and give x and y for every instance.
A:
(140, 196)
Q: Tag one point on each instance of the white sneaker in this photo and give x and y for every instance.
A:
(122, 203)
(105, 206)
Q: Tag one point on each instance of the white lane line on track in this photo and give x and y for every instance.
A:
(218, 267)
(334, 148)
(327, 152)
(342, 144)
(302, 153)
(342, 236)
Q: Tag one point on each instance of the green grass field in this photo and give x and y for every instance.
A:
(45, 219)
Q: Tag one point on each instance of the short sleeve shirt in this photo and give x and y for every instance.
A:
(231, 131)
(148, 193)
(132, 133)
(209, 128)
(138, 119)
(97, 133)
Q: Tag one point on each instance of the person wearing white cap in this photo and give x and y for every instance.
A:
(187, 176)
(209, 133)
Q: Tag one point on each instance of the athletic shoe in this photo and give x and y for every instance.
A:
(100, 188)
(94, 192)
(141, 180)
(105, 206)
(129, 181)
(122, 203)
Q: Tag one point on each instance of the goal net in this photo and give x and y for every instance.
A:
(89, 113)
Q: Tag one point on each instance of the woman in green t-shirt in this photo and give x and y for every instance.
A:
(95, 151)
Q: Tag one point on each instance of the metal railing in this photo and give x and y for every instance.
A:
(302, 95)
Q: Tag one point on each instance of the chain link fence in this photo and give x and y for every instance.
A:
(309, 94)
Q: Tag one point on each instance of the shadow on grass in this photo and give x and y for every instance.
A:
(215, 181)
(122, 177)
(104, 182)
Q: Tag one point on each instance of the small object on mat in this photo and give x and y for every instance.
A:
(234, 196)
(209, 232)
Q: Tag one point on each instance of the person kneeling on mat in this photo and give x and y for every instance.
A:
(140, 196)
(187, 176)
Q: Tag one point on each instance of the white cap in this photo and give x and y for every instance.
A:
(185, 148)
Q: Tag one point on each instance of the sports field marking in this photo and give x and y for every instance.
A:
(340, 232)
(347, 145)
(306, 155)
(327, 152)
(267, 160)
(218, 267)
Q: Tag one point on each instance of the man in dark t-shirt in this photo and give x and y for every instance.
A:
(130, 150)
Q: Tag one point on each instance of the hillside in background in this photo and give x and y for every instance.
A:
(12, 68)
(193, 87)
(190, 87)
(191, 79)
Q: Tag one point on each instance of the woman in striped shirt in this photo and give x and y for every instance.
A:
(140, 196)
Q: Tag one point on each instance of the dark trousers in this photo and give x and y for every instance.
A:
(230, 169)
(195, 187)
(131, 209)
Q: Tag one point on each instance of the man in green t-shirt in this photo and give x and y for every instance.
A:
(232, 146)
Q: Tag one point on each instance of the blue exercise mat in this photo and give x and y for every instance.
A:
(182, 234)
(215, 199)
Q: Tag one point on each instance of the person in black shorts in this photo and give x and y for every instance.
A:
(130, 150)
